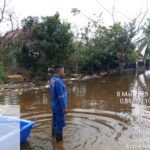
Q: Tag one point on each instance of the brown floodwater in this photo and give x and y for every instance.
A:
(109, 113)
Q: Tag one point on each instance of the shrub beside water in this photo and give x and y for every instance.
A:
(2, 73)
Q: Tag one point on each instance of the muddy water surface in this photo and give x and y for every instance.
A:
(101, 115)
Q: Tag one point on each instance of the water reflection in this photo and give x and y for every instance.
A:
(10, 99)
(140, 112)
(96, 117)
(78, 89)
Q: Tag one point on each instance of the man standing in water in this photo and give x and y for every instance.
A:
(58, 96)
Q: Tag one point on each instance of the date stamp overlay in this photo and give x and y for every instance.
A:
(138, 103)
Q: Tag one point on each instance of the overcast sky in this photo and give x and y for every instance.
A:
(124, 9)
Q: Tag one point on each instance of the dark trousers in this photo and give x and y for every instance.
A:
(58, 120)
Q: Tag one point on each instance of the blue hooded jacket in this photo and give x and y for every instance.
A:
(58, 93)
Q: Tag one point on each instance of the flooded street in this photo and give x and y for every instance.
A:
(104, 114)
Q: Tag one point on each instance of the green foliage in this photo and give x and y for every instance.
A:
(144, 42)
(9, 56)
(47, 41)
(2, 72)
(75, 11)
(103, 47)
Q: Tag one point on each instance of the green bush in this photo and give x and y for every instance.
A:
(2, 73)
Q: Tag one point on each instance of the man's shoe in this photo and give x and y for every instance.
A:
(59, 137)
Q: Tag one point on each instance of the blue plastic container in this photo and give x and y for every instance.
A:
(25, 129)
(13, 132)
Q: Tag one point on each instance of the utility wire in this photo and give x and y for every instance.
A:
(104, 8)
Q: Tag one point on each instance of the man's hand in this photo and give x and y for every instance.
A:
(65, 110)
